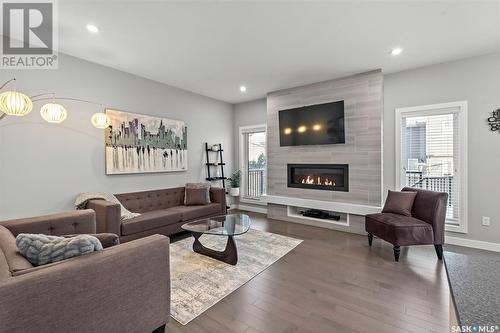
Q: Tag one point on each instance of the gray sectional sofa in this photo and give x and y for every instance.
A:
(123, 288)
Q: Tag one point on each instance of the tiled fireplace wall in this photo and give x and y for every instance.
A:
(363, 96)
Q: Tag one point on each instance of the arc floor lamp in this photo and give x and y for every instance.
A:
(18, 104)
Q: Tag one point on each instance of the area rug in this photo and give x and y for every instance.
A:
(198, 282)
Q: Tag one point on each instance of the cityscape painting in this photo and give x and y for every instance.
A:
(138, 143)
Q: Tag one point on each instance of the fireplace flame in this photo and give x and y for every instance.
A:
(317, 181)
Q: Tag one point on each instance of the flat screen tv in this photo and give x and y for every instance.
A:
(319, 124)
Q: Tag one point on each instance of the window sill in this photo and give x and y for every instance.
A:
(462, 229)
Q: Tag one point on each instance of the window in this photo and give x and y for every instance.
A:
(431, 153)
(253, 161)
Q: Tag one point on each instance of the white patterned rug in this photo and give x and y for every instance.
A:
(198, 282)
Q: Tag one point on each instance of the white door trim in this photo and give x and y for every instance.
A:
(242, 152)
(435, 109)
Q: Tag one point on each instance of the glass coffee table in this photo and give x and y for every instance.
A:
(228, 225)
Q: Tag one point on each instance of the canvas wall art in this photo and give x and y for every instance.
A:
(137, 143)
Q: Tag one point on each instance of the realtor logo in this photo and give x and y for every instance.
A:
(29, 38)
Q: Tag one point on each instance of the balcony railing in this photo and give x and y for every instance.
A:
(433, 183)
(255, 183)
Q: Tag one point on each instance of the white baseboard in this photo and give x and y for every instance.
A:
(255, 209)
(472, 243)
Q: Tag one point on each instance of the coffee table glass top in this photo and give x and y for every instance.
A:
(227, 225)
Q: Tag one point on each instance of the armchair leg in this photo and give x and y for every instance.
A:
(439, 251)
(160, 329)
(397, 250)
(370, 239)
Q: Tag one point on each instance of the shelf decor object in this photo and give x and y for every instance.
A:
(234, 190)
(494, 120)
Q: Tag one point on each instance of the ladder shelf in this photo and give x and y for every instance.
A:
(218, 163)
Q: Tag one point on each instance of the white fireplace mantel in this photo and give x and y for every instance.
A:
(340, 207)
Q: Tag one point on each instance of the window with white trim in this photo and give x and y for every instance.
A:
(253, 161)
(431, 153)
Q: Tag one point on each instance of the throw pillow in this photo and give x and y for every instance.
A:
(399, 202)
(205, 186)
(43, 249)
(83, 198)
(195, 196)
(106, 239)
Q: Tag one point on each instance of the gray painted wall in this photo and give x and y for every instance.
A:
(44, 166)
(247, 114)
(476, 80)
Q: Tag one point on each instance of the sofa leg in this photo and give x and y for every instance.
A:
(397, 250)
(160, 329)
(439, 250)
(370, 239)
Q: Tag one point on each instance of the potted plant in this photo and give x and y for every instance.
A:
(235, 178)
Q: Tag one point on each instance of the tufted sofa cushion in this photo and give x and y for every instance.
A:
(150, 220)
(195, 212)
(66, 223)
(146, 201)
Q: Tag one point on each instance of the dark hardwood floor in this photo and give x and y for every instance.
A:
(334, 282)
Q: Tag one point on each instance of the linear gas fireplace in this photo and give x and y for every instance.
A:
(331, 177)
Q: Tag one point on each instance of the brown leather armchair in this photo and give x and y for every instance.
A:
(424, 227)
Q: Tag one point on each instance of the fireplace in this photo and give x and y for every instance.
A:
(331, 177)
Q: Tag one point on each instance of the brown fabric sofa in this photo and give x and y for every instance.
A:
(162, 212)
(424, 227)
(124, 288)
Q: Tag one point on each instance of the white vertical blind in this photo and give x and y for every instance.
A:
(430, 155)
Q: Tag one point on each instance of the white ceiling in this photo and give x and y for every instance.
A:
(213, 47)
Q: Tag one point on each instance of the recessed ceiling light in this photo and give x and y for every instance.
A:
(92, 28)
(396, 51)
(243, 88)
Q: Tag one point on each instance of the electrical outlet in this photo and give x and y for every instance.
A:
(486, 221)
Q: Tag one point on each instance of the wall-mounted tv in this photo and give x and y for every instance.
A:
(319, 124)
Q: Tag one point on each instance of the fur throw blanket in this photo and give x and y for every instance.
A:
(83, 198)
(42, 249)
